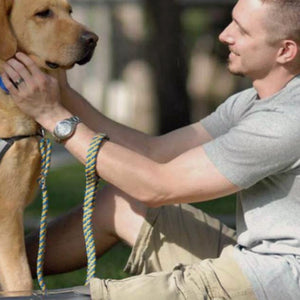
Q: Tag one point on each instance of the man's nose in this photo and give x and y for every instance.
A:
(225, 36)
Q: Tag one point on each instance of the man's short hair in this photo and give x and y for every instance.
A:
(283, 20)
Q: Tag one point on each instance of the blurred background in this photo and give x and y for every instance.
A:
(158, 66)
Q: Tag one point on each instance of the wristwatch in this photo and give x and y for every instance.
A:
(65, 128)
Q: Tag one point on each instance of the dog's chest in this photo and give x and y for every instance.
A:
(12, 121)
(20, 165)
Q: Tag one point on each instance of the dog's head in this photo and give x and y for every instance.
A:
(45, 30)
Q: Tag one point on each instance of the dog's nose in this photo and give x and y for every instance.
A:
(89, 39)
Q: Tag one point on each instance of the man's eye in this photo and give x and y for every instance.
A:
(47, 13)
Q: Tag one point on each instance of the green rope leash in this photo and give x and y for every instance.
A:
(88, 205)
(45, 149)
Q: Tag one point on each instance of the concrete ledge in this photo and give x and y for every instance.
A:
(75, 293)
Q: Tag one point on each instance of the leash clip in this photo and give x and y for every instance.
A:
(42, 132)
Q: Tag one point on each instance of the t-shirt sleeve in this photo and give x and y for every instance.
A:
(262, 144)
(222, 119)
(218, 122)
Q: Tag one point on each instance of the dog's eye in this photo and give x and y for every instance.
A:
(47, 13)
(70, 11)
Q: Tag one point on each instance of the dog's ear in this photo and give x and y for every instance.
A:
(8, 43)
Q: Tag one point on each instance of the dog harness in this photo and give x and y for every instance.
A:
(3, 87)
(6, 143)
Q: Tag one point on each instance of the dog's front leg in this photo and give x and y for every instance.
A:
(14, 270)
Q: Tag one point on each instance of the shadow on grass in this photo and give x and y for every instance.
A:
(109, 265)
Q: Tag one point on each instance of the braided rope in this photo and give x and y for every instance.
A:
(45, 149)
(88, 206)
(89, 203)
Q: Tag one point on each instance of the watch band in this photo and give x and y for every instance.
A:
(75, 120)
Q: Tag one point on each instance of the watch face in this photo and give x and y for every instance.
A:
(64, 129)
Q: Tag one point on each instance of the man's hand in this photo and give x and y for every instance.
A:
(37, 94)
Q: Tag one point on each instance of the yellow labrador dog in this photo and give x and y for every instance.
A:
(45, 30)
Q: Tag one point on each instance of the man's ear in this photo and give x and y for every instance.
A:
(287, 52)
(8, 43)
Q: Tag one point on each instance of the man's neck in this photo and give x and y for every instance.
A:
(272, 84)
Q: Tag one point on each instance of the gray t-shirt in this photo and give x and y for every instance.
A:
(256, 146)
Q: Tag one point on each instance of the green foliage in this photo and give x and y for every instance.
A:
(222, 206)
(65, 189)
(195, 23)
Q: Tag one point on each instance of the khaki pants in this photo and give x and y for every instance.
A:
(181, 253)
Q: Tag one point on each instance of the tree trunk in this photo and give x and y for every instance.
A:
(167, 57)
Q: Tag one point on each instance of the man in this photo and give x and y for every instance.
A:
(250, 145)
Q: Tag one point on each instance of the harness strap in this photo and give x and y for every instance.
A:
(6, 143)
(4, 146)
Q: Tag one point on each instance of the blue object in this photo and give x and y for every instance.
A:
(3, 87)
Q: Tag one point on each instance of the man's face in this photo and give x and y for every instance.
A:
(246, 36)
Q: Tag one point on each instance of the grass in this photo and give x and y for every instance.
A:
(109, 266)
(66, 190)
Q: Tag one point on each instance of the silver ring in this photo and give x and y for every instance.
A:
(19, 81)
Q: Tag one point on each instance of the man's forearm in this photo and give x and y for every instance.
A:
(189, 177)
(159, 148)
(118, 133)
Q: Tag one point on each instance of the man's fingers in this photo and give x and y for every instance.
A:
(13, 75)
(29, 63)
(38, 77)
(8, 84)
(18, 68)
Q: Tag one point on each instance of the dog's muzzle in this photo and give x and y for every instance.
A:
(88, 40)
